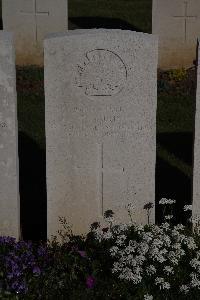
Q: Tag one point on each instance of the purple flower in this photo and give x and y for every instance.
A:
(82, 253)
(19, 287)
(74, 248)
(36, 270)
(90, 281)
(42, 251)
(7, 240)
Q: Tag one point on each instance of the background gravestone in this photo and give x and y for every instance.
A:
(31, 20)
(196, 163)
(100, 91)
(9, 191)
(177, 23)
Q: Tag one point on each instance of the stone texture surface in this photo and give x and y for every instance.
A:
(31, 20)
(100, 91)
(9, 188)
(177, 23)
(196, 166)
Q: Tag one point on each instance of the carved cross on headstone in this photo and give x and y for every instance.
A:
(36, 13)
(185, 18)
(103, 170)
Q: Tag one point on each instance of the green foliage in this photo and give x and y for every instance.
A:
(177, 74)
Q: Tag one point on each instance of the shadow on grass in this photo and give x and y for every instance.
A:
(171, 183)
(100, 22)
(32, 185)
(180, 144)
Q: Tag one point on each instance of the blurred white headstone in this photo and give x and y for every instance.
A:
(9, 173)
(31, 20)
(177, 23)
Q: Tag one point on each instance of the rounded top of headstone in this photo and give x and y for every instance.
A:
(98, 31)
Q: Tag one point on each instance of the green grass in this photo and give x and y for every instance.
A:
(135, 12)
(31, 116)
(175, 113)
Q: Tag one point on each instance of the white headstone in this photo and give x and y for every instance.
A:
(9, 188)
(196, 163)
(177, 23)
(31, 20)
(100, 90)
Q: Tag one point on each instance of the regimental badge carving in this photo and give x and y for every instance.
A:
(103, 73)
(3, 124)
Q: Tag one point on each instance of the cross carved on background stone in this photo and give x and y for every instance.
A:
(36, 13)
(185, 18)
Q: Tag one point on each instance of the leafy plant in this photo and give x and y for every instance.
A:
(177, 74)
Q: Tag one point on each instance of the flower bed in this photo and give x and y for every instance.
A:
(121, 261)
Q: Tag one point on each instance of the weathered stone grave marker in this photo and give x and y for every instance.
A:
(9, 188)
(100, 90)
(31, 20)
(196, 161)
(177, 23)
